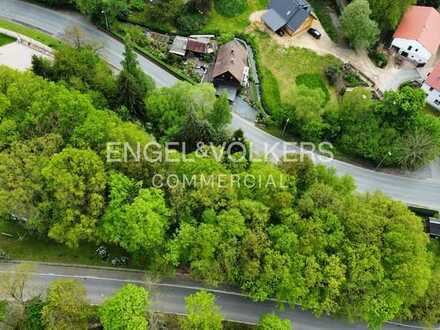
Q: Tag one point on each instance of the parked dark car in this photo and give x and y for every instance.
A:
(314, 33)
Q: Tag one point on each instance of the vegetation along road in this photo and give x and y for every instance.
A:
(424, 193)
(169, 296)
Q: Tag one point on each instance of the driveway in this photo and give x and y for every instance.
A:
(388, 78)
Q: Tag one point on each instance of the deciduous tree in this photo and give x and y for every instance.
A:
(273, 322)
(202, 312)
(126, 310)
(357, 25)
(75, 183)
(67, 307)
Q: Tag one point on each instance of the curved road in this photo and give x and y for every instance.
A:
(415, 192)
(168, 296)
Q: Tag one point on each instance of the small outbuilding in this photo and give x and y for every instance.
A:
(179, 46)
(290, 16)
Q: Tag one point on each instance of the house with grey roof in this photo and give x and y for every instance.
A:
(290, 16)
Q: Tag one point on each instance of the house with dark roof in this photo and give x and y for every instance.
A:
(291, 16)
(231, 70)
(417, 37)
(432, 87)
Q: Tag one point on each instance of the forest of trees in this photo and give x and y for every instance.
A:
(312, 240)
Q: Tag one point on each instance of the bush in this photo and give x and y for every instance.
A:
(190, 21)
(332, 73)
(32, 314)
(379, 58)
(353, 80)
(231, 8)
(314, 81)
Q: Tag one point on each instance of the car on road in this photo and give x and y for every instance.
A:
(314, 33)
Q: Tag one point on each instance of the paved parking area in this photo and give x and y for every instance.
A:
(17, 56)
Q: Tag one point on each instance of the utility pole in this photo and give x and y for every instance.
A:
(383, 159)
(106, 20)
(285, 126)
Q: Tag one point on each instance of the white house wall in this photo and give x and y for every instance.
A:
(417, 53)
(433, 96)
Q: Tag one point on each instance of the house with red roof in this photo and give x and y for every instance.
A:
(432, 87)
(418, 36)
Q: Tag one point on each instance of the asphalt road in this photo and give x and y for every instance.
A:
(416, 192)
(168, 296)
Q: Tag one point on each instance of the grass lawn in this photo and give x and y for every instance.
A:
(288, 66)
(237, 24)
(25, 247)
(4, 39)
(31, 33)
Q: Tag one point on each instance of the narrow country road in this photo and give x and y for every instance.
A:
(168, 296)
(415, 192)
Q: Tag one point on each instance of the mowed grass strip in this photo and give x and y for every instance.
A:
(31, 33)
(4, 39)
(20, 245)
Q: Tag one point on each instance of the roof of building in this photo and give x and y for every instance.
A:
(232, 58)
(179, 46)
(292, 13)
(434, 77)
(421, 24)
(434, 226)
(197, 46)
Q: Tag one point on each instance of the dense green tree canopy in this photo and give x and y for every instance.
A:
(357, 25)
(126, 310)
(136, 219)
(298, 232)
(190, 112)
(202, 312)
(66, 306)
(273, 322)
(75, 182)
(389, 12)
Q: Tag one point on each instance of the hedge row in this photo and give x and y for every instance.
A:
(269, 89)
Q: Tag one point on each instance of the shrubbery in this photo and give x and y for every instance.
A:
(230, 8)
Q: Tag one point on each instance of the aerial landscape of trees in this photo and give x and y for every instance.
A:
(300, 234)
(308, 239)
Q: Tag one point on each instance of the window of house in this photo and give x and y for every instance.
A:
(431, 89)
(437, 102)
(410, 47)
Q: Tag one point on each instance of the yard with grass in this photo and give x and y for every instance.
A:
(19, 245)
(4, 39)
(237, 24)
(31, 33)
(284, 69)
